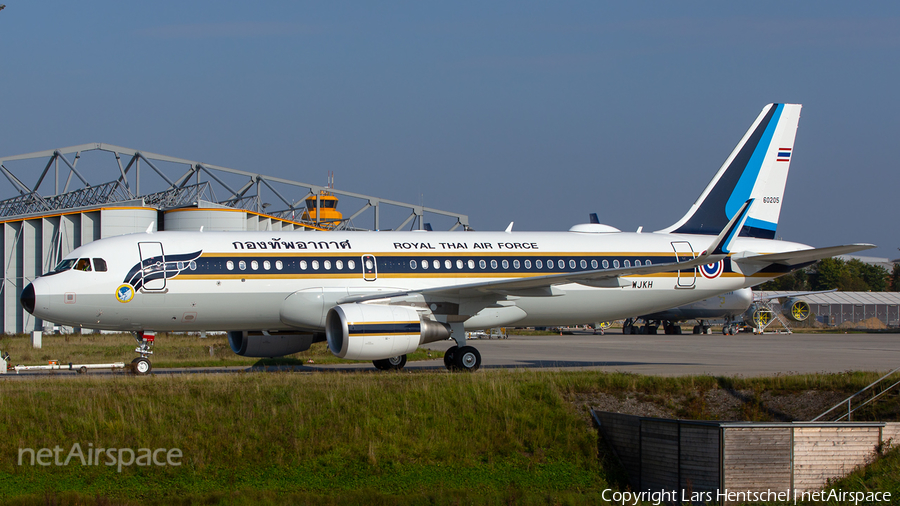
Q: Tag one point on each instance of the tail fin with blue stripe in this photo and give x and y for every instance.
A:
(757, 169)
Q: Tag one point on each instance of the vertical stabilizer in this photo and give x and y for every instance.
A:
(756, 169)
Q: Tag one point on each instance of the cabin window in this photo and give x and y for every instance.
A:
(279, 265)
(315, 265)
(448, 264)
(539, 264)
(351, 264)
(594, 264)
(229, 265)
(339, 264)
(616, 264)
(515, 264)
(493, 264)
(584, 264)
(242, 265)
(99, 265)
(424, 264)
(193, 265)
(528, 264)
(459, 264)
(471, 263)
(561, 264)
(482, 264)
(267, 265)
(436, 264)
(254, 265)
(627, 263)
(506, 264)
(303, 265)
(606, 264)
(413, 265)
(647, 262)
(327, 264)
(369, 264)
(571, 264)
(83, 264)
(637, 263)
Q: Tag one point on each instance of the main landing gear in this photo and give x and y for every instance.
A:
(462, 358)
(141, 365)
(390, 364)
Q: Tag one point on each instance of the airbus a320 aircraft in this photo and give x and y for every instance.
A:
(379, 295)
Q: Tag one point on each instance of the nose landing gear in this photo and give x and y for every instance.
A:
(141, 365)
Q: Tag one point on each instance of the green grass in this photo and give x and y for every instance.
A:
(494, 437)
(175, 350)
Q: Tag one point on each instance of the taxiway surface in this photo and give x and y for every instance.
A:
(666, 355)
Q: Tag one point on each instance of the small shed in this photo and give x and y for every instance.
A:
(760, 457)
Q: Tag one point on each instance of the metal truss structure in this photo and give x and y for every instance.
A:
(195, 181)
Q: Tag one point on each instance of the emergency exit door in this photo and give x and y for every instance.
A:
(684, 253)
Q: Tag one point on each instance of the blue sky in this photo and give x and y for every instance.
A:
(533, 112)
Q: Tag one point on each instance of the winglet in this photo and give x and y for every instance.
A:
(723, 242)
(509, 228)
(150, 227)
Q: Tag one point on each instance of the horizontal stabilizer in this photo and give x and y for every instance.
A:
(804, 256)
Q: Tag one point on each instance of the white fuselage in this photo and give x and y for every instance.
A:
(192, 281)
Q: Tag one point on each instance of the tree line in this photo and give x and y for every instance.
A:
(846, 275)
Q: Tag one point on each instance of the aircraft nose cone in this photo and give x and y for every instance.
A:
(27, 298)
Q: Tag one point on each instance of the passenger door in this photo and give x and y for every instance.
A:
(153, 266)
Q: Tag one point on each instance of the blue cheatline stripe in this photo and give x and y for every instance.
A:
(765, 225)
(745, 184)
(385, 328)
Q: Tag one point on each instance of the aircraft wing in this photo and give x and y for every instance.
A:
(542, 286)
(803, 256)
(788, 295)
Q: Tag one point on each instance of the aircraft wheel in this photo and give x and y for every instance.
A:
(677, 329)
(468, 359)
(390, 364)
(141, 366)
(651, 329)
(449, 356)
(696, 329)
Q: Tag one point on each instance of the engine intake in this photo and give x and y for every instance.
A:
(375, 332)
(795, 309)
(269, 344)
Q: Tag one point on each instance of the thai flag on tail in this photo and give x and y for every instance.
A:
(784, 155)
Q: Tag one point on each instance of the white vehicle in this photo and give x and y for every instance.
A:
(379, 295)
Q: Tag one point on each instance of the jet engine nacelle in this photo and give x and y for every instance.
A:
(795, 309)
(269, 344)
(757, 315)
(375, 332)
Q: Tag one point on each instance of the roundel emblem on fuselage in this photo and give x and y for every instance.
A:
(713, 270)
(125, 293)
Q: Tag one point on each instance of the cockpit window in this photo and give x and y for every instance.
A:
(99, 265)
(83, 264)
(64, 265)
